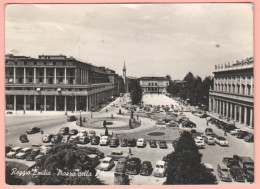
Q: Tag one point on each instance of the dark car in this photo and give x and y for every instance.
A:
(208, 131)
(188, 124)
(95, 140)
(72, 118)
(56, 139)
(133, 166)
(31, 156)
(236, 173)
(249, 138)
(124, 142)
(7, 149)
(73, 132)
(247, 165)
(131, 142)
(229, 161)
(121, 165)
(204, 115)
(146, 168)
(223, 173)
(230, 127)
(33, 130)
(64, 131)
(92, 150)
(114, 142)
(23, 138)
(152, 143)
(162, 144)
(242, 134)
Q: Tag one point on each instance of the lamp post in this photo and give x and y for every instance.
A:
(80, 119)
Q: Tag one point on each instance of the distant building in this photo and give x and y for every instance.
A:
(56, 83)
(154, 84)
(233, 93)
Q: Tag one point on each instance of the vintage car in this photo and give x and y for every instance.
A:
(223, 173)
(242, 134)
(23, 153)
(56, 138)
(236, 173)
(146, 168)
(84, 140)
(249, 138)
(106, 164)
(47, 137)
(199, 142)
(74, 139)
(121, 165)
(235, 131)
(92, 150)
(114, 142)
(153, 143)
(124, 142)
(94, 159)
(73, 132)
(95, 140)
(23, 138)
(82, 133)
(72, 118)
(91, 133)
(116, 154)
(160, 169)
(13, 152)
(104, 141)
(133, 166)
(33, 130)
(221, 141)
(131, 142)
(140, 143)
(45, 148)
(208, 131)
(162, 144)
(209, 140)
(64, 131)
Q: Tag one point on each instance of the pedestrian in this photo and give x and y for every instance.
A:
(137, 117)
(225, 133)
(106, 110)
(207, 122)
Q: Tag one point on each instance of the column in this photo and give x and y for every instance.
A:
(55, 104)
(235, 112)
(251, 117)
(65, 103)
(87, 76)
(45, 103)
(216, 110)
(81, 76)
(14, 74)
(210, 105)
(34, 75)
(24, 75)
(14, 102)
(55, 76)
(75, 103)
(24, 102)
(245, 115)
(86, 103)
(65, 76)
(227, 109)
(45, 79)
(224, 108)
(240, 114)
(231, 111)
(34, 102)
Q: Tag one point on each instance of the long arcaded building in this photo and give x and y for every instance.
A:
(233, 93)
(56, 83)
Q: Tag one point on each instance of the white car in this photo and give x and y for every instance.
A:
(104, 140)
(82, 133)
(23, 153)
(13, 152)
(45, 148)
(221, 141)
(140, 142)
(116, 105)
(160, 169)
(106, 164)
(209, 140)
(235, 131)
(199, 141)
(210, 168)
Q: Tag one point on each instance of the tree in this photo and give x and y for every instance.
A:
(184, 165)
(136, 92)
(66, 158)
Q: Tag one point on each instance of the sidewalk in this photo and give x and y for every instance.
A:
(241, 126)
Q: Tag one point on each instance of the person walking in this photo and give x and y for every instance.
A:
(225, 131)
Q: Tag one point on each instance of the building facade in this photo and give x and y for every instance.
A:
(233, 93)
(154, 84)
(56, 83)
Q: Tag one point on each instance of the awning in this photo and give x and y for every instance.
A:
(38, 89)
(59, 89)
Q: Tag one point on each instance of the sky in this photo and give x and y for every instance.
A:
(152, 39)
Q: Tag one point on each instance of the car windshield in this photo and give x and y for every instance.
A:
(116, 153)
(22, 151)
(159, 166)
(13, 150)
(163, 142)
(221, 138)
(105, 161)
(132, 162)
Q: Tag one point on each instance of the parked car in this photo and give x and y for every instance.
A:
(235, 131)
(208, 131)
(162, 144)
(106, 164)
(114, 142)
(38, 157)
(31, 156)
(153, 143)
(236, 173)
(131, 142)
(146, 168)
(229, 161)
(36, 146)
(188, 124)
(33, 130)
(221, 141)
(73, 132)
(7, 149)
(199, 141)
(74, 139)
(72, 118)
(104, 140)
(210, 168)
(209, 140)
(94, 159)
(45, 148)
(133, 166)
(64, 131)
(230, 127)
(124, 142)
(160, 122)
(13, 152)
(172, 124)
(23, 153)
(121, 165)
(84, 140)
(95, 140)
(56, 138)
(160, 169)
(223, 173)
(65, 139)
(82, 133)
(91, 134)
(140, 143)
(249, 138)
(47, 137)
(23, 138)
(116, 154)
(247, 165)
(242, 134)
(204, 115)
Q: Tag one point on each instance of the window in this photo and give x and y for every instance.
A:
(243, 89)
(155, 84)
(234, 88)
(248, 89)
(238, 89)
(149, 84)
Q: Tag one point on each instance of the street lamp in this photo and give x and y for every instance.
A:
(80, 120)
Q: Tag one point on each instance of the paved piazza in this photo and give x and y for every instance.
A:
(51, 122)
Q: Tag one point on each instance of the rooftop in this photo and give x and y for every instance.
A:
(153, 78)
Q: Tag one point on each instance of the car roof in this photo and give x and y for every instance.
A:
(146, 162)
(92, 155)
(222, 166)
(208, 165)
(107, 158)
(117, 151)
(16, 148)
(160, 162)
(26, 148)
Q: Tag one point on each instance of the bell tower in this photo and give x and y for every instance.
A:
(125, 78)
